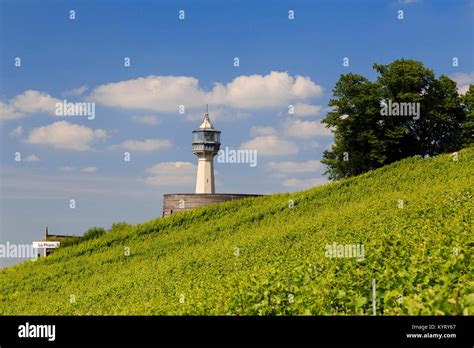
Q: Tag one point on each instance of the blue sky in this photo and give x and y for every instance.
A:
(186, 62)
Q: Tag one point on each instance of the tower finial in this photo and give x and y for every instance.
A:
(206, 122)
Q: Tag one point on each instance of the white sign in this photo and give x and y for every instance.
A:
(42, 244)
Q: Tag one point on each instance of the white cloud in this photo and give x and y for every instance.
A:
(257, 91)
(166, 93)
(89, 170)
(311, 145)
(344, 116)
(147, 119)
(75, 92)
(32, 158)
(463, 81)
(64, 135)
(271, 145)
(143, 145)
(43, 185)
(219, 113)
(7, 112)
(256, 131)
(172, 174)
(304, 110)
(278, 175)
(160, 93)
(67, 169)
(305, 129)
(17, 132)
(289, 167)
(304, 183)
(32, 101)
(28, 102)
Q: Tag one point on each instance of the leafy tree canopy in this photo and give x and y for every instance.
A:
(407, 111)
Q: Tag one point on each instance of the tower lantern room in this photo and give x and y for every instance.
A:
(206, 144)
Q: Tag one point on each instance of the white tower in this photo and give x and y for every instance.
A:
(206, 144)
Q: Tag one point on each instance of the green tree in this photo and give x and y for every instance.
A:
(356, 111)
(118, 226)
(71, 241)
(468, 126)
(365, 139)
(94, 232)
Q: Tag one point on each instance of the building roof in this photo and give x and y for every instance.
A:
(206, 123)
(57, 238)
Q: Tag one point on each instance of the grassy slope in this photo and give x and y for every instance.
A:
(187, 264)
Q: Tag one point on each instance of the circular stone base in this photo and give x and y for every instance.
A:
(179, 202)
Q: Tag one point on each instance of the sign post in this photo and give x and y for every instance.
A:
(45, 245)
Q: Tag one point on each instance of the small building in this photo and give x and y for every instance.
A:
(53, 238)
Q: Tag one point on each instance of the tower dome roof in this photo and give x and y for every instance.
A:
(206, 123)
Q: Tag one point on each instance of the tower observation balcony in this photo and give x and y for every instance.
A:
(206, 139)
